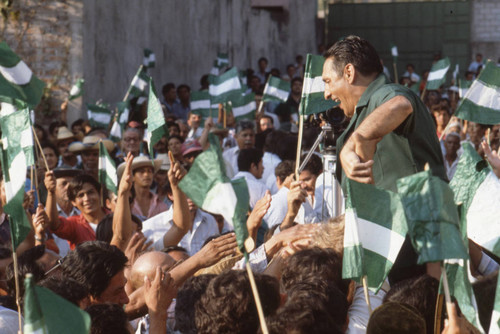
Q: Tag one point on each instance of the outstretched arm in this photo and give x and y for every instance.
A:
(357, 154)
(122, 217)
(51, 204)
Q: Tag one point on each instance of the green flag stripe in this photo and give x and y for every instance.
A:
(377, 268)
(8, 58)
(484, 95)
(20, 74)
(314, 66)
(474, 113)
(490, 74)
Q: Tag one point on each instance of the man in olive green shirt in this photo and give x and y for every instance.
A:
(391, 134)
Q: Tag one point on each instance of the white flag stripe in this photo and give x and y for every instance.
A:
(27, 138)
(221, 199)
(17, 173)
(495, 317)
(279, 93)
(483, 95)
(116, 130)
(438, 75)
(386, 243)
(394, 51)
(110, 170)
(351, 236)
(99, 117)
(7, 109)
(200, 104)
(224, 87)
(243, 110)
(139, 83)
(313, 85)
(19, 74)
(124, 116)
(75, 90)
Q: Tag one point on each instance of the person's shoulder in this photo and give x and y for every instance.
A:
(390, 90)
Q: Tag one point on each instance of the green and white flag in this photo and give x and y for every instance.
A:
(16, 155)
(276, 90)
(98, 116)
(437, 75)
(77, 89)
(463, 87)
(394, 52)
(481, 103)
(432, 216)
(46, 312)
(156, 120)
(149, 59)
(116, 132)
(107, 170)
(17, 81)
(313, 90)
(243, 80)
(456, 72)
(200, 105)
(244, 107)
(371, 211)
(222, 60)
(207, 185)
(138, 86)
(224, 87)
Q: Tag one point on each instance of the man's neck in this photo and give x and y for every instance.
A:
(95, 217)
(66, 206)
(142, 192)
(70, 161)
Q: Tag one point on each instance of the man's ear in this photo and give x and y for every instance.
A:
(350, 73)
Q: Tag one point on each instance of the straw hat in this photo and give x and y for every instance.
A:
(90, 143)
(138, 162)
(64, 133)
(165, 161)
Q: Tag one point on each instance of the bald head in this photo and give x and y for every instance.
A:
(146, 265)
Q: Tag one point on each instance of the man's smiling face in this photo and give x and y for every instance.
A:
(337, 87)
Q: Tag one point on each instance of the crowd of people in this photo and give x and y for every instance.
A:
(149, 260)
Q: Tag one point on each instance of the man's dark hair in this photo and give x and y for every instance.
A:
(174, 248)
(314, 165)
(183, 86)
(284, 169)
(187, 298)
(290, 65)
(104, 230)
(263, 59)
(55, 125)
(244, 124)
(66, 287)
(93, 264)
(107, 318)
(395, 318)
(77, 184)
(167, 87)
(421, 293)
(247, 157)
(51, 146)
(78, 122)
(268, 117)
(313, 263)
(228, 305)
(173, 124)
(294, 80)
(356, 51)
(175, 136)
(274, 141)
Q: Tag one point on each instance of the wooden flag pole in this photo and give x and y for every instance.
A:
(423, 92)
(16, 280)
(446, 287)
(40, 148)
(438, 314)
(299, 146)
(367, 295)
(395, 72)
(255, 292)
(261, 105)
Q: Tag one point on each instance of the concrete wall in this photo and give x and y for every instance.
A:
(485, 29)
(186, 36)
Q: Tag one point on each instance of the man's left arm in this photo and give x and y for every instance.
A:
(357, 154)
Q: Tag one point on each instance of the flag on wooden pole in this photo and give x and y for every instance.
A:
(222, 60)
(313, 90)
(224, 87)
(98, 116)
(107, 170)
(463, 87)
(481, 103)
(16, 155)
(244, 106)
(17, 81)
(200, 104)
(276, 89)
(394, 52)
(371, 211)
(155, 121)
(115, 134)
(138, 86)
(437, 75)
(76, 90)
(149, 60)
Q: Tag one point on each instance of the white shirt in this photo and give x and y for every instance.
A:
(204, 226)
(271, 184)
(231, 160)
(451, 169)
(358, 311)
(9, 321)
(194, 134)
(256, 188)
(270, 161)
(325, 196)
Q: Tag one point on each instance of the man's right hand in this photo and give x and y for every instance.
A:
(352, 165)
(295, 197)
(50, 182)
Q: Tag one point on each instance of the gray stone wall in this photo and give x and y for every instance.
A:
(485, 29)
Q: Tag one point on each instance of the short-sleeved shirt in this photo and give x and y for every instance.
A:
(75, 229)
(404, 151)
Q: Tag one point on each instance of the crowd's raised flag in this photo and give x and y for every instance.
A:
(463, 87)
(481, 103)
(224, 87)
(432, 216)
(155, 120)
(437, 75)
(244, 106)
(149, 60)
(16, 155)
(313, 90)
(276, 89)
(46, 312)
(17, 81)
(371, 211)
(116, 132)
(107, 170)
(138, 86)
(222, 60)
(98, 116)
(76, 90)
(200, 104)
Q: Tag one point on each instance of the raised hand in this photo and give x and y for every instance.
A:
(176, 171)
(50, 182)
(217, 249)
(126, 181)
(254, 220)
(137, 245)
